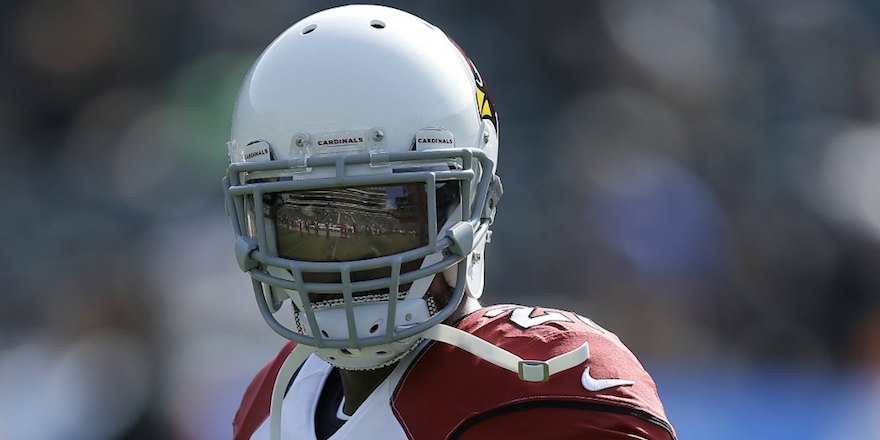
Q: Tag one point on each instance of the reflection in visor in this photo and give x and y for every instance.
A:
(347, 224)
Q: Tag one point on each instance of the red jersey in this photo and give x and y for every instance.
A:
(443, 392)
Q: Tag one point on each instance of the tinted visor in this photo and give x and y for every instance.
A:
(357, 223)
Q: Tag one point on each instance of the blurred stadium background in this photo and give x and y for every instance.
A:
(700, 176)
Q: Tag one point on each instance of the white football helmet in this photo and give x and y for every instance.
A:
(362, 164)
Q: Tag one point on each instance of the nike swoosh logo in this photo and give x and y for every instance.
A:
(593, 384)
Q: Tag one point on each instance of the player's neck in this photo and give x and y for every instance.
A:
(358, 385)
(468, 306)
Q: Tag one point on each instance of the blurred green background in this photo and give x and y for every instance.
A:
(701, 177)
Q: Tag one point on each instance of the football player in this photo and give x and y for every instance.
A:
(361, 187)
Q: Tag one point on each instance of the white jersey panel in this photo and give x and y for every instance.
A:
(374, 418)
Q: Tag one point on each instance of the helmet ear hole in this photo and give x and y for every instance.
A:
(308, 29)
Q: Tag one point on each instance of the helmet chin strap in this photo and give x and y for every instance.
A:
(527, 370)
(285, 374)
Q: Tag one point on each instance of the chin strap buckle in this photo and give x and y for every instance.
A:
(534, 371)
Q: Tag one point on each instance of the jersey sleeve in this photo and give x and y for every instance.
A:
(257, 399)
(559, 423)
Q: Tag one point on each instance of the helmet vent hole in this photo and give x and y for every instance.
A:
(324, 333)
(377, 24)
(382, 353)
(309, 28)
(374, 328)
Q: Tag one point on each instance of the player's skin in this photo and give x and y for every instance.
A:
(358, 385)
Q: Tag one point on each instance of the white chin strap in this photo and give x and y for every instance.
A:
(285, 374)
(527, 370)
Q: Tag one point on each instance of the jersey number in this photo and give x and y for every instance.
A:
(522, 316)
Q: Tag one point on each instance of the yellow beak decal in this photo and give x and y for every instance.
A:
(484, 105)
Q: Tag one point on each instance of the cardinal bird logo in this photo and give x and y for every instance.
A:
(485, 104)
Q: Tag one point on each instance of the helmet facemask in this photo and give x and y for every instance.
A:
(355, 252)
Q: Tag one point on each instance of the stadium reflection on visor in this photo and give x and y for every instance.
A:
(356, 223)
